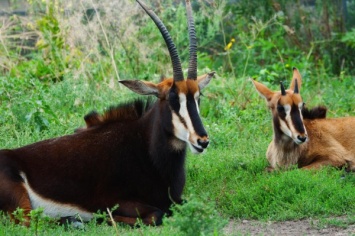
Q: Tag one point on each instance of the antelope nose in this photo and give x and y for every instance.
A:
(203, 142)
(302, 138)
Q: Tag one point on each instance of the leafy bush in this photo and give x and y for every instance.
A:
(196, 217)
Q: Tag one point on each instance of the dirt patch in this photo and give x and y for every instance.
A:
(289, 228)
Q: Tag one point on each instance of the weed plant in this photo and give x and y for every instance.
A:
(81, 50)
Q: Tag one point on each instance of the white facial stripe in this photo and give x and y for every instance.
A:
(285, 128)
(185, 114)
(183, 108)
(288, 114)
(52, 208)
(197, 94)
(180, 130)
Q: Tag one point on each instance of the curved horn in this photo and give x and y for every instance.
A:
(175, 60)
(296, 87)
(283, 91)
(192, 71)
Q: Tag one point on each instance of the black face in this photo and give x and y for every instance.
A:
(281, 111)
(194, 114)
(174, 100)
(297, 119)
(186, 120)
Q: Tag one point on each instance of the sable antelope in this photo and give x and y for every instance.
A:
(132, 156)
(304, 137)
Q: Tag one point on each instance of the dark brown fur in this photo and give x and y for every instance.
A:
(123, 112)
(97, 169)
(318, 112)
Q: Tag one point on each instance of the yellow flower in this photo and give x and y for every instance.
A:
(229, 45)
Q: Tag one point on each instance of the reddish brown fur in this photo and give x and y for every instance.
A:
(164, 86)
(93, 119)
(330, 141)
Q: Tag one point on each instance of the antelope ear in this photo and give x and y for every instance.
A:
(263, 90)
(204, 80)
(296, 75)
(141, 87)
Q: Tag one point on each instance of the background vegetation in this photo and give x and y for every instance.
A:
(64, 58)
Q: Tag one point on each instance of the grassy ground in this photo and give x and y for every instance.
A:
(228, 181)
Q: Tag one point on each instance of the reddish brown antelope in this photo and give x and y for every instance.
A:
(133, 156)
(304, 137)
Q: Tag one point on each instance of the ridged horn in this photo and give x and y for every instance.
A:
(192, 70)
(283, 91)
(175, 60)
(296, 87)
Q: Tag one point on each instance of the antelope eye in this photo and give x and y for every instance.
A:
(280, 108)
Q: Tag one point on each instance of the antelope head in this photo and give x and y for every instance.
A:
(286, 106)
(182, 96)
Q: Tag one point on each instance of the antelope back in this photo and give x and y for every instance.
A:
(286, 107)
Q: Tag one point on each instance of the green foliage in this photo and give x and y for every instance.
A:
(32, 92)
(310, 34)
(19, 215)
(349, 38)
(39, 223)
(196, 217)
(52, 43)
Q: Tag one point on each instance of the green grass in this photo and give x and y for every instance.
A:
(342, 222)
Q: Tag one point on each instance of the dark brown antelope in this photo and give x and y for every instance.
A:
(305, 137)
(132, 156)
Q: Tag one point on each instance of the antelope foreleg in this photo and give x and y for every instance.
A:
(321, 163)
